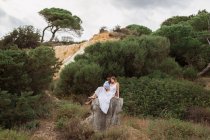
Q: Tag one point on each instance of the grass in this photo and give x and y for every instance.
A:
(13, 135)
(177, 130)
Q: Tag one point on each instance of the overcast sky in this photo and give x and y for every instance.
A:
(98, 13)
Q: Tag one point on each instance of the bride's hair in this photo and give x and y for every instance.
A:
(114, 78)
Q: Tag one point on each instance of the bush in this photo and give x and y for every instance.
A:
(171, 67)
(16, 110)
(22, 37)
(24, 76)
(190, 73)
(13, 135)
(161, 97)
(27, 71)
(70, 110)
(139, 30)
(133, 56)
(115, 133)
(43, 65)
(177, 130)
(79, 78)
(68, 121)
(198, 115)
(186, 47)
(73, 129)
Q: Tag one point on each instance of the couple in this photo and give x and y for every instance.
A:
(104, 94)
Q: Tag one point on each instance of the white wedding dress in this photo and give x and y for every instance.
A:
(104, 96)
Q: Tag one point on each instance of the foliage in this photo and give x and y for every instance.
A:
(79, 78)
(171, 67)
(70, 110)
(22, 37)
(17, 110)
(190, 73)
(23, 78)
(68, 121)
(177, 130)
(161, 97)
(133, 56)
(175, 20)
(60, 19)
(198, 115)
(13, 135)
(186, 49)
(43, 65)
(200, 22)
(33, 70)
(139, 30)
(13, 68)
(188, 37)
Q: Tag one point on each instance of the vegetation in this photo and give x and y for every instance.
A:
(156, 71)
(60, 19)
(139, 30)
(24, 77)
(68, 122)
(13, 135)
(22, 37)
(177, 130)
(161, 97)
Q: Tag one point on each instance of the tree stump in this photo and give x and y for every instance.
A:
(101, 121)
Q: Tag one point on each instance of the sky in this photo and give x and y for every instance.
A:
(97, 13)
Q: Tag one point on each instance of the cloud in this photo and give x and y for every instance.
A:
(149, 3)
(8, 22)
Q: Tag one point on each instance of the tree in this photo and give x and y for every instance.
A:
(139, 30)
(22, 37)
(175, 20)
(60, 20)
(24, 75)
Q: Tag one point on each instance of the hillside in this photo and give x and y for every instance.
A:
(67, 53)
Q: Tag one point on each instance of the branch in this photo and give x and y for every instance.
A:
(204, 70)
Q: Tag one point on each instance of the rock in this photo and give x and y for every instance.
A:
(101, 121)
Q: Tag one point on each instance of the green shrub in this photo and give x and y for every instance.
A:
(13, 135)
(24, 77)
(161, 97)
(139, 30)
(177, 130)
(186, 47)
(69, 118)
(16, 110)
(132, 56)
(79, 78)
(190, 73)
(70, 110)
(43, 65)
(27, 71)
(22, 37)
(171, 67)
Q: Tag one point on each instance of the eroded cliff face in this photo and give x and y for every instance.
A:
(65, 52)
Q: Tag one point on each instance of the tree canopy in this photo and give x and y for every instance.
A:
(139, 29)
(22, 37)
(61, 20)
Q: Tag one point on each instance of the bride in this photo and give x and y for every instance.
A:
(106, 93)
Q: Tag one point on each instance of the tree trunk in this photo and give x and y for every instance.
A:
(43, 33)
(101, 121)
(53, 34)
(204, 70)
